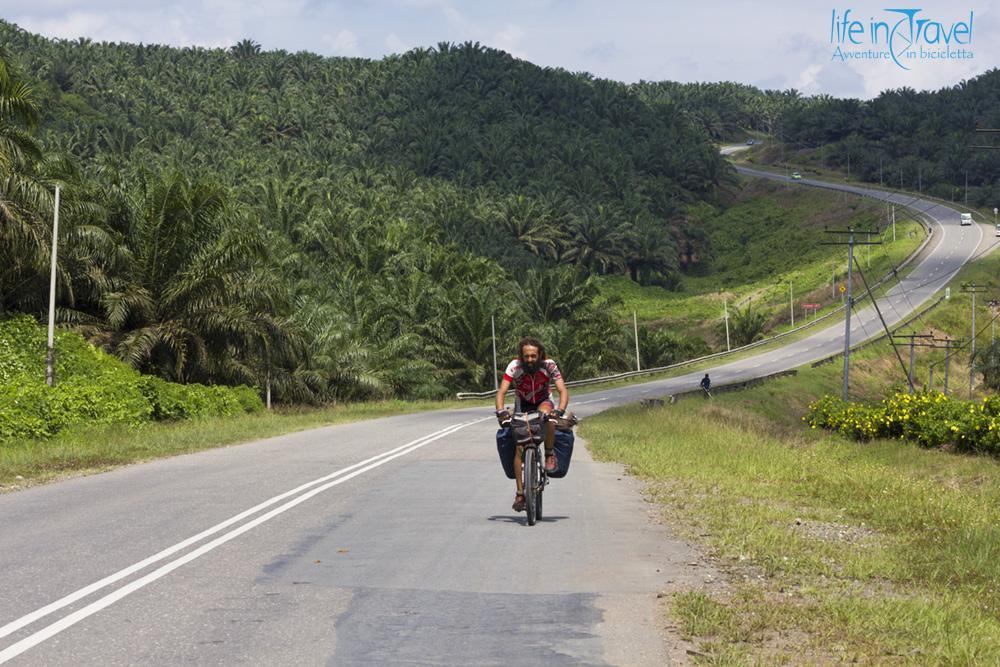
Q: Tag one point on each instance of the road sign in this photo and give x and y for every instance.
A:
(842, 288)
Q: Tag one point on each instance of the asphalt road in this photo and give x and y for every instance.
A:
(383, 542)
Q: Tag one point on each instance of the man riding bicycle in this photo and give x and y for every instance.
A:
(532, 374)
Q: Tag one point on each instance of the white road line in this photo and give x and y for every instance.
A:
(358, 468)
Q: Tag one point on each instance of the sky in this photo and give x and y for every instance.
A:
(767, 44)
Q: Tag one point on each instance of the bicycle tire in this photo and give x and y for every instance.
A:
(538, 501)
(530, 482)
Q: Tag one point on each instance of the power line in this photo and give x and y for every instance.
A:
(886, 328)
(851, 242)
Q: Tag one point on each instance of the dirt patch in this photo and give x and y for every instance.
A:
(861, 536)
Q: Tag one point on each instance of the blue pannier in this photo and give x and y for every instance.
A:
(564, 452)
(563, 446)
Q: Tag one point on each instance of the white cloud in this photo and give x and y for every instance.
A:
(344, 43)
(509, 39)
(394, 44)
(73, 25)
(775, 45)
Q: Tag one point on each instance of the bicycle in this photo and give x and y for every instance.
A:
(529, 433)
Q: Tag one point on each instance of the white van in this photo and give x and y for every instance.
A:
(966, 219)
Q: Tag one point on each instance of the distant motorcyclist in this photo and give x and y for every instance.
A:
(532, 375)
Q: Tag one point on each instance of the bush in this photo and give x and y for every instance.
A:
(93, 388)
(186, 401)
(930, 419)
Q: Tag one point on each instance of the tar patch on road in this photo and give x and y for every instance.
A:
(392, 627)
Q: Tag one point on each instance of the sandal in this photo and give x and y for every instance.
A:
(518, 505)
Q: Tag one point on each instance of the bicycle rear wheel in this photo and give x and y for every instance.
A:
(530, 482)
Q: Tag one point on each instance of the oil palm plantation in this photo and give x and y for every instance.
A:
(193, 295)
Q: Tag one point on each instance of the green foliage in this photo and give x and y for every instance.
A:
(659, 347)
(186, 401)
(341, 228)
(988, 363)
(903, 137)
(92, 388)
(928, 418)
(746, 325)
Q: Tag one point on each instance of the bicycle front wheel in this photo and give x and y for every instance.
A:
(538, 501)
(530, 482)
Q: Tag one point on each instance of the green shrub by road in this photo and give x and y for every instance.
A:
(92, 388)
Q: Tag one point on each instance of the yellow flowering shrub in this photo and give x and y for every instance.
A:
(928, 418)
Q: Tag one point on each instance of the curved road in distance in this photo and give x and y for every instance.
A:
(383, 542)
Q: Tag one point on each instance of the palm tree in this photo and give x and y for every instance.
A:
(245, 48)
(192, 296)
(24, 197)
(600, 241)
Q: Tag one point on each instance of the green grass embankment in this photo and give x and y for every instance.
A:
(770, 235)
(833, 550)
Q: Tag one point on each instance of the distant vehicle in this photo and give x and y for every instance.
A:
(796, 176)
(998, 230)
(966, 219)
(750, 142)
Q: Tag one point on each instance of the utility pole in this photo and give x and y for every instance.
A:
(50, 355)
(973, 289)
(635, 326)
(893, 224)
(791, 302)
(994, 304)
(851, 242)
(913, 337)
(947, 363)
(493, 331)
(880, 181)
(833, 282)
(947, 359)
(725, 306)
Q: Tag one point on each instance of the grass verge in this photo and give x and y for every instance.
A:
(86, 450)
(834, 551)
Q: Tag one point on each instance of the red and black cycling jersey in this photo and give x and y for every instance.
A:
(532, 388)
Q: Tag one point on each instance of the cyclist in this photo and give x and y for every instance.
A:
(532, 375)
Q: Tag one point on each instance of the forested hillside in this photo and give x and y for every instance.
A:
(922, 141)
(337, 228)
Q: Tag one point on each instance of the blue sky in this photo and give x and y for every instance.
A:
(771, 45)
